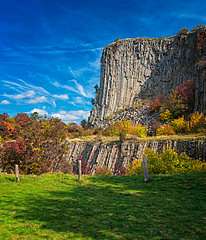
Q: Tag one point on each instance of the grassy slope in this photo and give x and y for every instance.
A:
(57, 207)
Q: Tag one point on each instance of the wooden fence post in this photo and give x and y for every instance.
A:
(17, 173)
(79, 169)
(145, 169)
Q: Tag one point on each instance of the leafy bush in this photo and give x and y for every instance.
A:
(179, 102)
(35, 144)
(139, 130)
(165, 116)
(186, 90)
(197, 120)
(117, 128)
(125, 127)
(134, 168)
(169, 161)
(180, 125)
(156, 103)
(165, 129)
(13, 152)
(175, 104)
(7, 129)
(103, 171)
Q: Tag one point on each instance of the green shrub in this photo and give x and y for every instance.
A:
(134, 168)
(169, 161)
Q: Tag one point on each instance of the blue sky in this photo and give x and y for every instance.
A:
(50, 49)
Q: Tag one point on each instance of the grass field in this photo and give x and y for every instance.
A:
(58, 207)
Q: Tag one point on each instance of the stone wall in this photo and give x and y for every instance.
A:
(116, 156)
(144, 68)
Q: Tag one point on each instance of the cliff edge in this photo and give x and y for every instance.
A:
(142, 68)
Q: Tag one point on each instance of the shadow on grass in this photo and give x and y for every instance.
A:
(123, 208)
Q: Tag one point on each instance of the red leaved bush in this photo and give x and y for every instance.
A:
(6, 128)
(4, 117)
(22, 119)
(186, 90)
(156, 103)
(35, 144)
(12, 152)
(17, 146)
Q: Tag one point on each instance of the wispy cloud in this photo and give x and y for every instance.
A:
(187, 15)
(23, 95)
(27, 93)
(40, 99)
(4, 102)
(47, 50)
(95, 65)
(61, 96)
(80, 88)
(77, 88)
(80, 101)
(67, 87)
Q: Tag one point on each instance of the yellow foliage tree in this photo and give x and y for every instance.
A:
(180, 125)
(165, 129)
(196, 120)
(165, 116)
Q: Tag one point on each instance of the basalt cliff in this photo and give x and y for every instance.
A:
(116, 156)
(142, 68)
(135, 71)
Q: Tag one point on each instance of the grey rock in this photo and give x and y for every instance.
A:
(139, 68)
(117, 156)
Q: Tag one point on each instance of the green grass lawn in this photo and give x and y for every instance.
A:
(58, 207)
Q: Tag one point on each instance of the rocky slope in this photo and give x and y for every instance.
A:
(139, 68)
(116, 155)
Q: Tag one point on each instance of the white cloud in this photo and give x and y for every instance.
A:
(61, 96)
(197, 17)
(38, 89)
(76, 73)
(71, 116)
(23, 95)
(79, 89)
(39, 111)
(95, 65)
(40, 99)
(80, 101)
(31, 94)
(59, 85)
(4, 102)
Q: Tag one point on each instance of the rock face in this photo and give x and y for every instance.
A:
(116, 156)
(139, 68)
